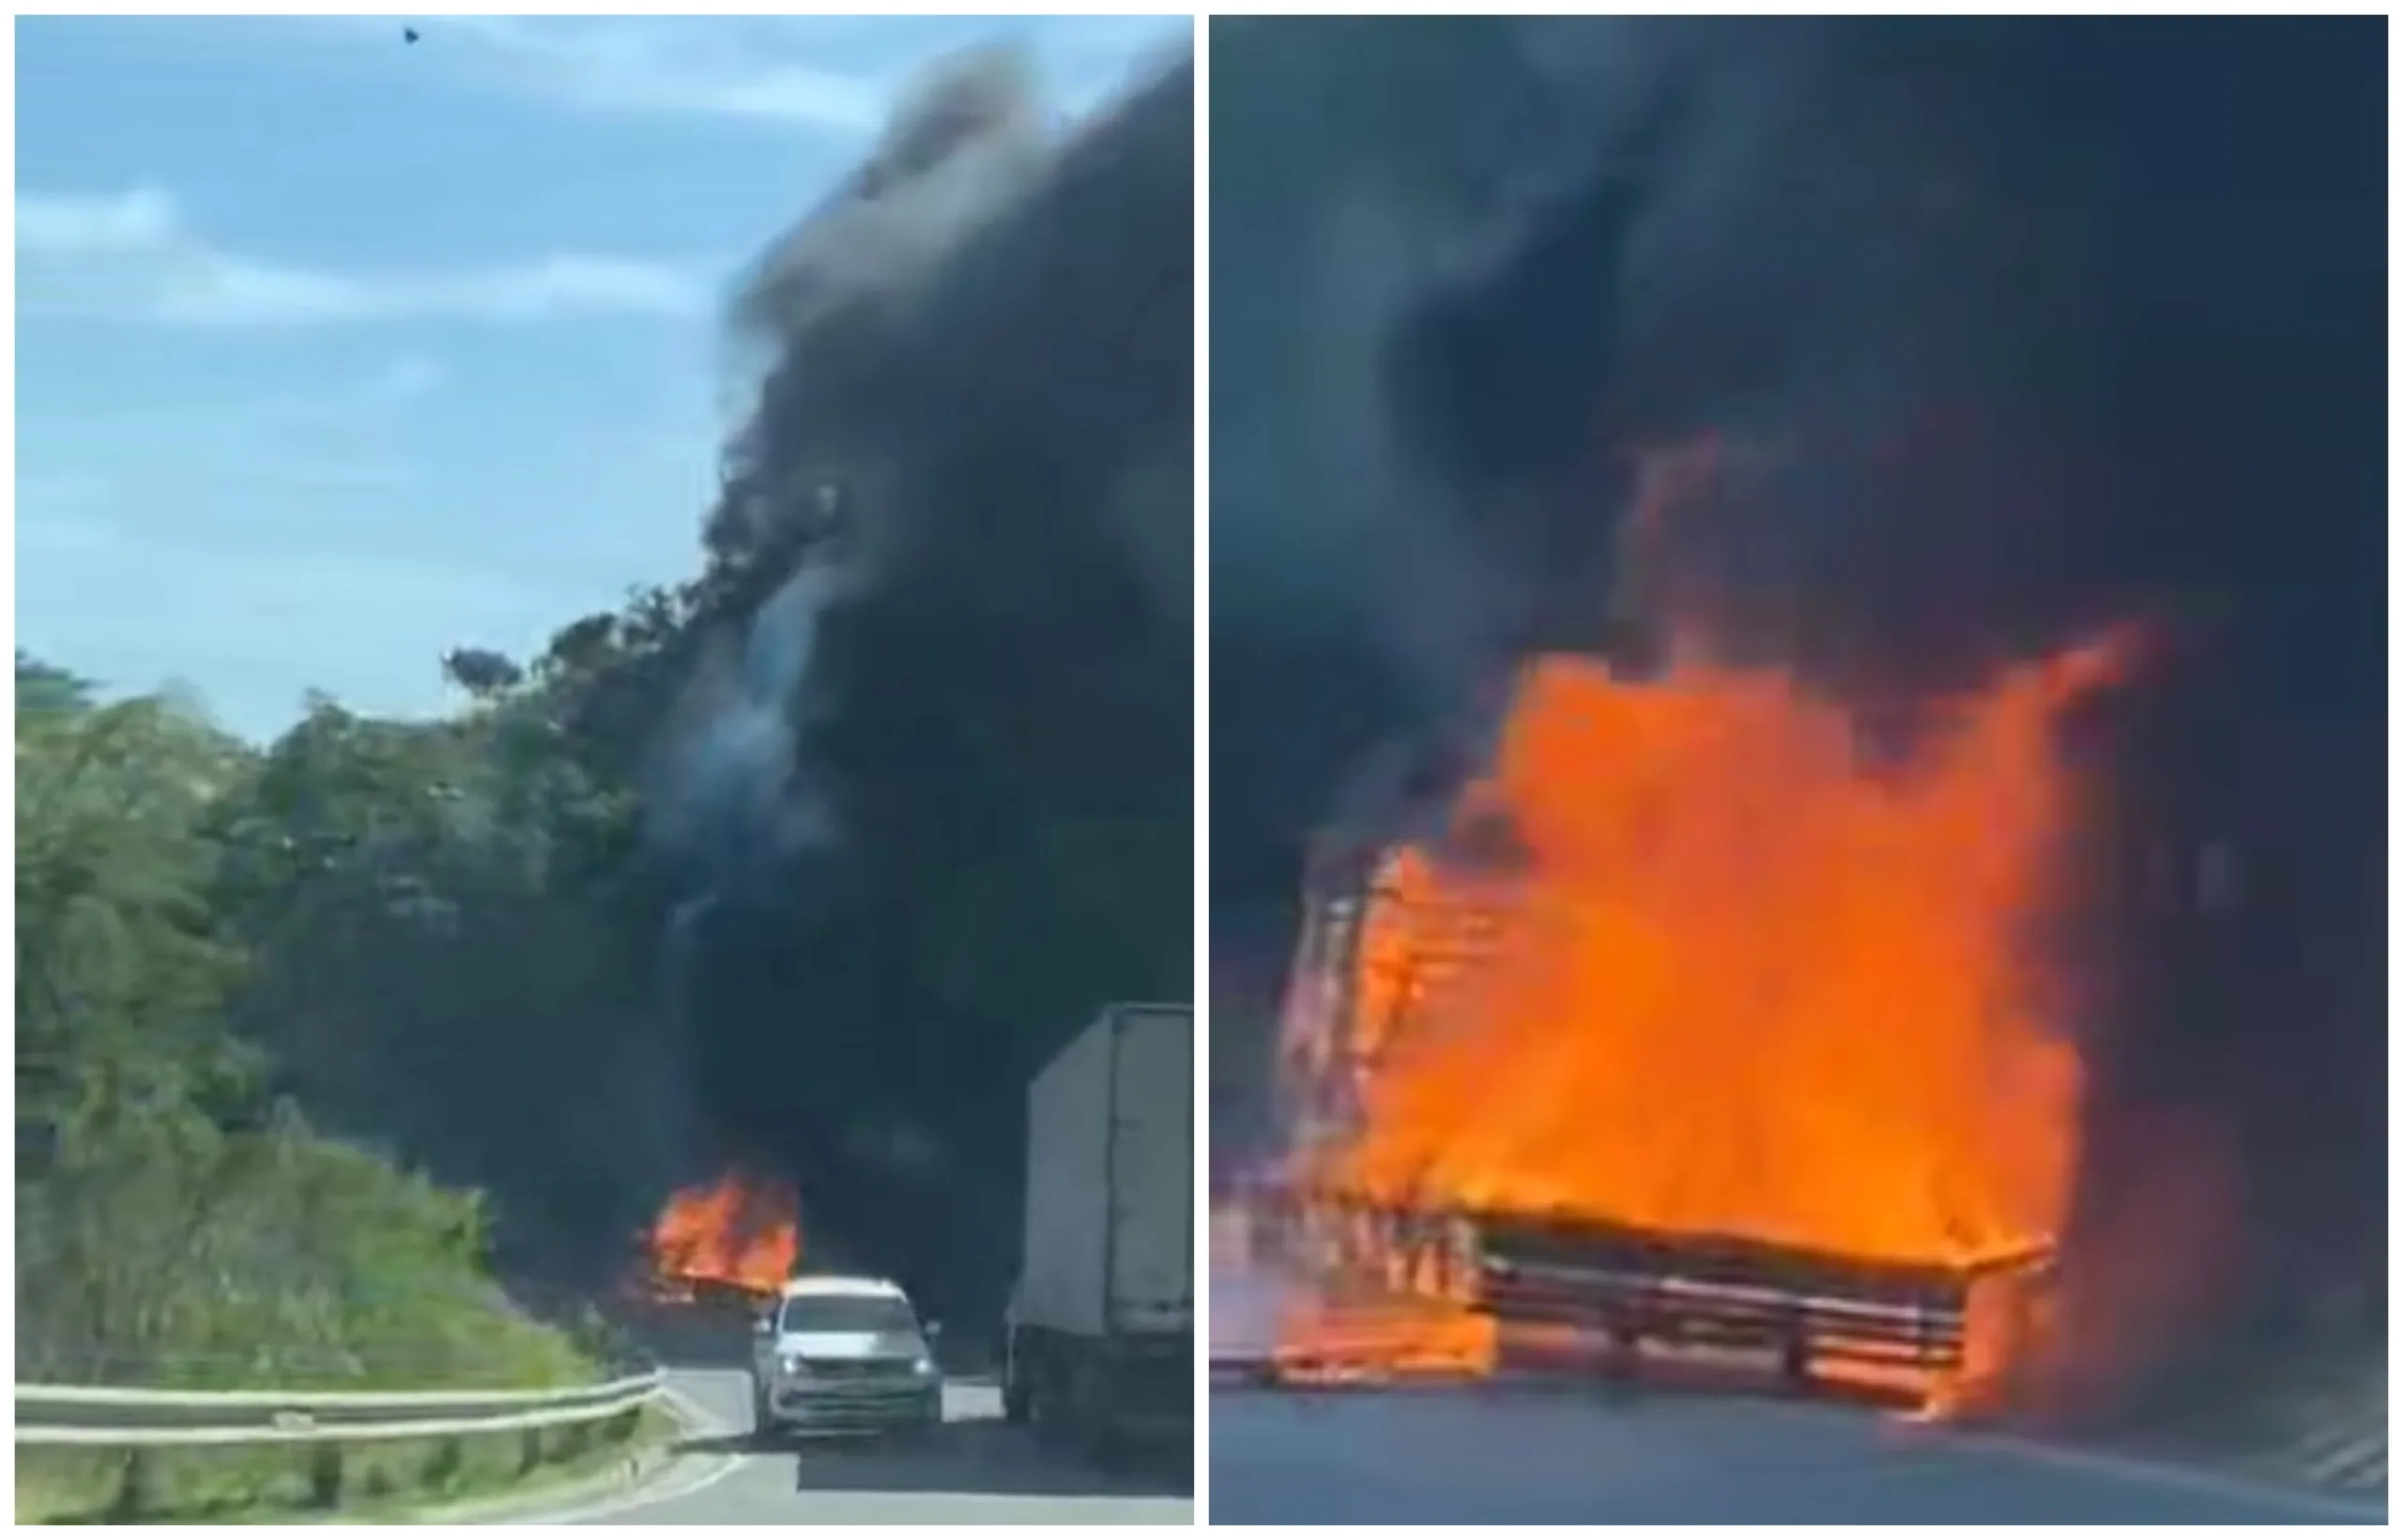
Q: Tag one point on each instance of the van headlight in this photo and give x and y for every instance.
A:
(794, 1364)
(923, 1368)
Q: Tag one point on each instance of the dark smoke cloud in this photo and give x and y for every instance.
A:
(2011, 329)
(960, 524)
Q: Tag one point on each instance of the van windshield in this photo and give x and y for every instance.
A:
(879, 1313)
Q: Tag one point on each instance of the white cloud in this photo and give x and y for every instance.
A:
(246, 450)
(130, 257)
(719, 66)
(405, 378)
(340, 430)
(142, 220)
(833, 73)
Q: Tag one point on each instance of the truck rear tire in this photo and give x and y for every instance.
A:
(1091, 1429)
(1017, 1397)
(1047, 1405)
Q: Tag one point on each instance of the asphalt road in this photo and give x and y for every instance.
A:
(977, 1470)
(1510, 1456)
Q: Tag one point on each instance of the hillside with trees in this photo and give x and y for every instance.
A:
(177, 1219)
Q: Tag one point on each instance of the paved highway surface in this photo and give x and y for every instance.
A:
(976, 1470)
(1510, 1455)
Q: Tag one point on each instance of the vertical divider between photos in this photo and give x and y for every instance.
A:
(1200, 761)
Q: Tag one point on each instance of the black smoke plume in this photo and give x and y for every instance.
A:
(2022, 326)
(930, 788)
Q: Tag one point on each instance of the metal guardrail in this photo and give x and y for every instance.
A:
(141, 1421)
(1817, 1311)
(114, 1418)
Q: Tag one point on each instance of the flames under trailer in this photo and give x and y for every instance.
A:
(1100, 1339)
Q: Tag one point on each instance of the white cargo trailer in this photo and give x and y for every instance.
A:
(1101, 1340)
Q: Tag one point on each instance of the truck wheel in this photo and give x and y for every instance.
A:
(1018, 1394)
(1043, 1402)
(1091, 1427)
(1050, 1406)
(1017, 1380)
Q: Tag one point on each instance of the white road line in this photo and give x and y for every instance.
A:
(2354, 1459)
(2202, 1481)
(2194, 1479)
(700, 1423)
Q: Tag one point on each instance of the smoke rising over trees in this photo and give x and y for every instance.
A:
(965, 751)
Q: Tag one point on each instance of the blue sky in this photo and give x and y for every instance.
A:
(334, 353)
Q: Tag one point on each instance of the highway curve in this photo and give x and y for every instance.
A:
(976, 1470)
(1520, 1455)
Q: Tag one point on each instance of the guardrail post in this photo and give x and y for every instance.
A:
(325, 1475)
(136, 1479)
(1794, 1349)
(449, 1456)
(529, 1451)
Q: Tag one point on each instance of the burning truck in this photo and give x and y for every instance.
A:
(722, 1247)
(1699, 1027)
(1870, 923)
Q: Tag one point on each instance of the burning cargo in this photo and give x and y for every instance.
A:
(1712, 1028)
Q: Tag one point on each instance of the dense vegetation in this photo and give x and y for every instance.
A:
(177, 1219)
(435, 936)
(371, 921)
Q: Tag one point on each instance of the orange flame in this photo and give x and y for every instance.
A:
(1722, 978)
(733, 1233)
(1743, 986)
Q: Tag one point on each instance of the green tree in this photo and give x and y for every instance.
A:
(44, 687)
(175, 1220)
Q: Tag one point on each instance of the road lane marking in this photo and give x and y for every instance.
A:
(2197, 1479)
(700, 1422)
(2201, 1480)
